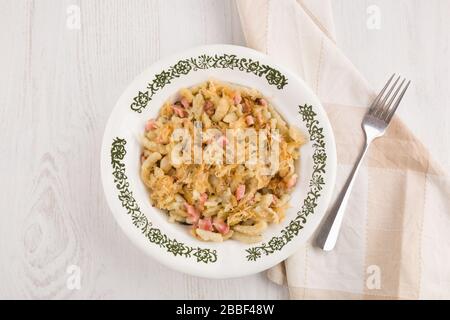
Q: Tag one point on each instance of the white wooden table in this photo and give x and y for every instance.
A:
(58, 85)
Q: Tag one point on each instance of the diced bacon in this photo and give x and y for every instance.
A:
(193, 214)
(240, 191)
(221, 226)
(292, 181)
(208, 107)
(184, 103)
(203, 198)
(151, 125)
(249, 120)
(179, 111)
(262, 102)
(205, 224)
(237, 98)
(208, 104)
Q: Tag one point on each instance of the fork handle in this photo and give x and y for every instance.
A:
(337, 212)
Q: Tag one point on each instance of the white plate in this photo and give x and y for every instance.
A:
(171, 244)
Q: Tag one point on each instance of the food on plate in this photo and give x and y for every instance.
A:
(193, 179)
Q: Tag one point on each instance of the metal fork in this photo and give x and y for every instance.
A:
(374, 125)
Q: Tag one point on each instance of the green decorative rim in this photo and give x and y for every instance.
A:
(183, 67)
(316, 185)
(141, 222)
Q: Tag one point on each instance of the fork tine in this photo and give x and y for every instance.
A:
(380, 95)
(382, 105)
(396, 104)
(388, 106)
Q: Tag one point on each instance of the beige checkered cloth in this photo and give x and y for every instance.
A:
(397, 224)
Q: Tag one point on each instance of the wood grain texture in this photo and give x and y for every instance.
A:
(57, 89)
